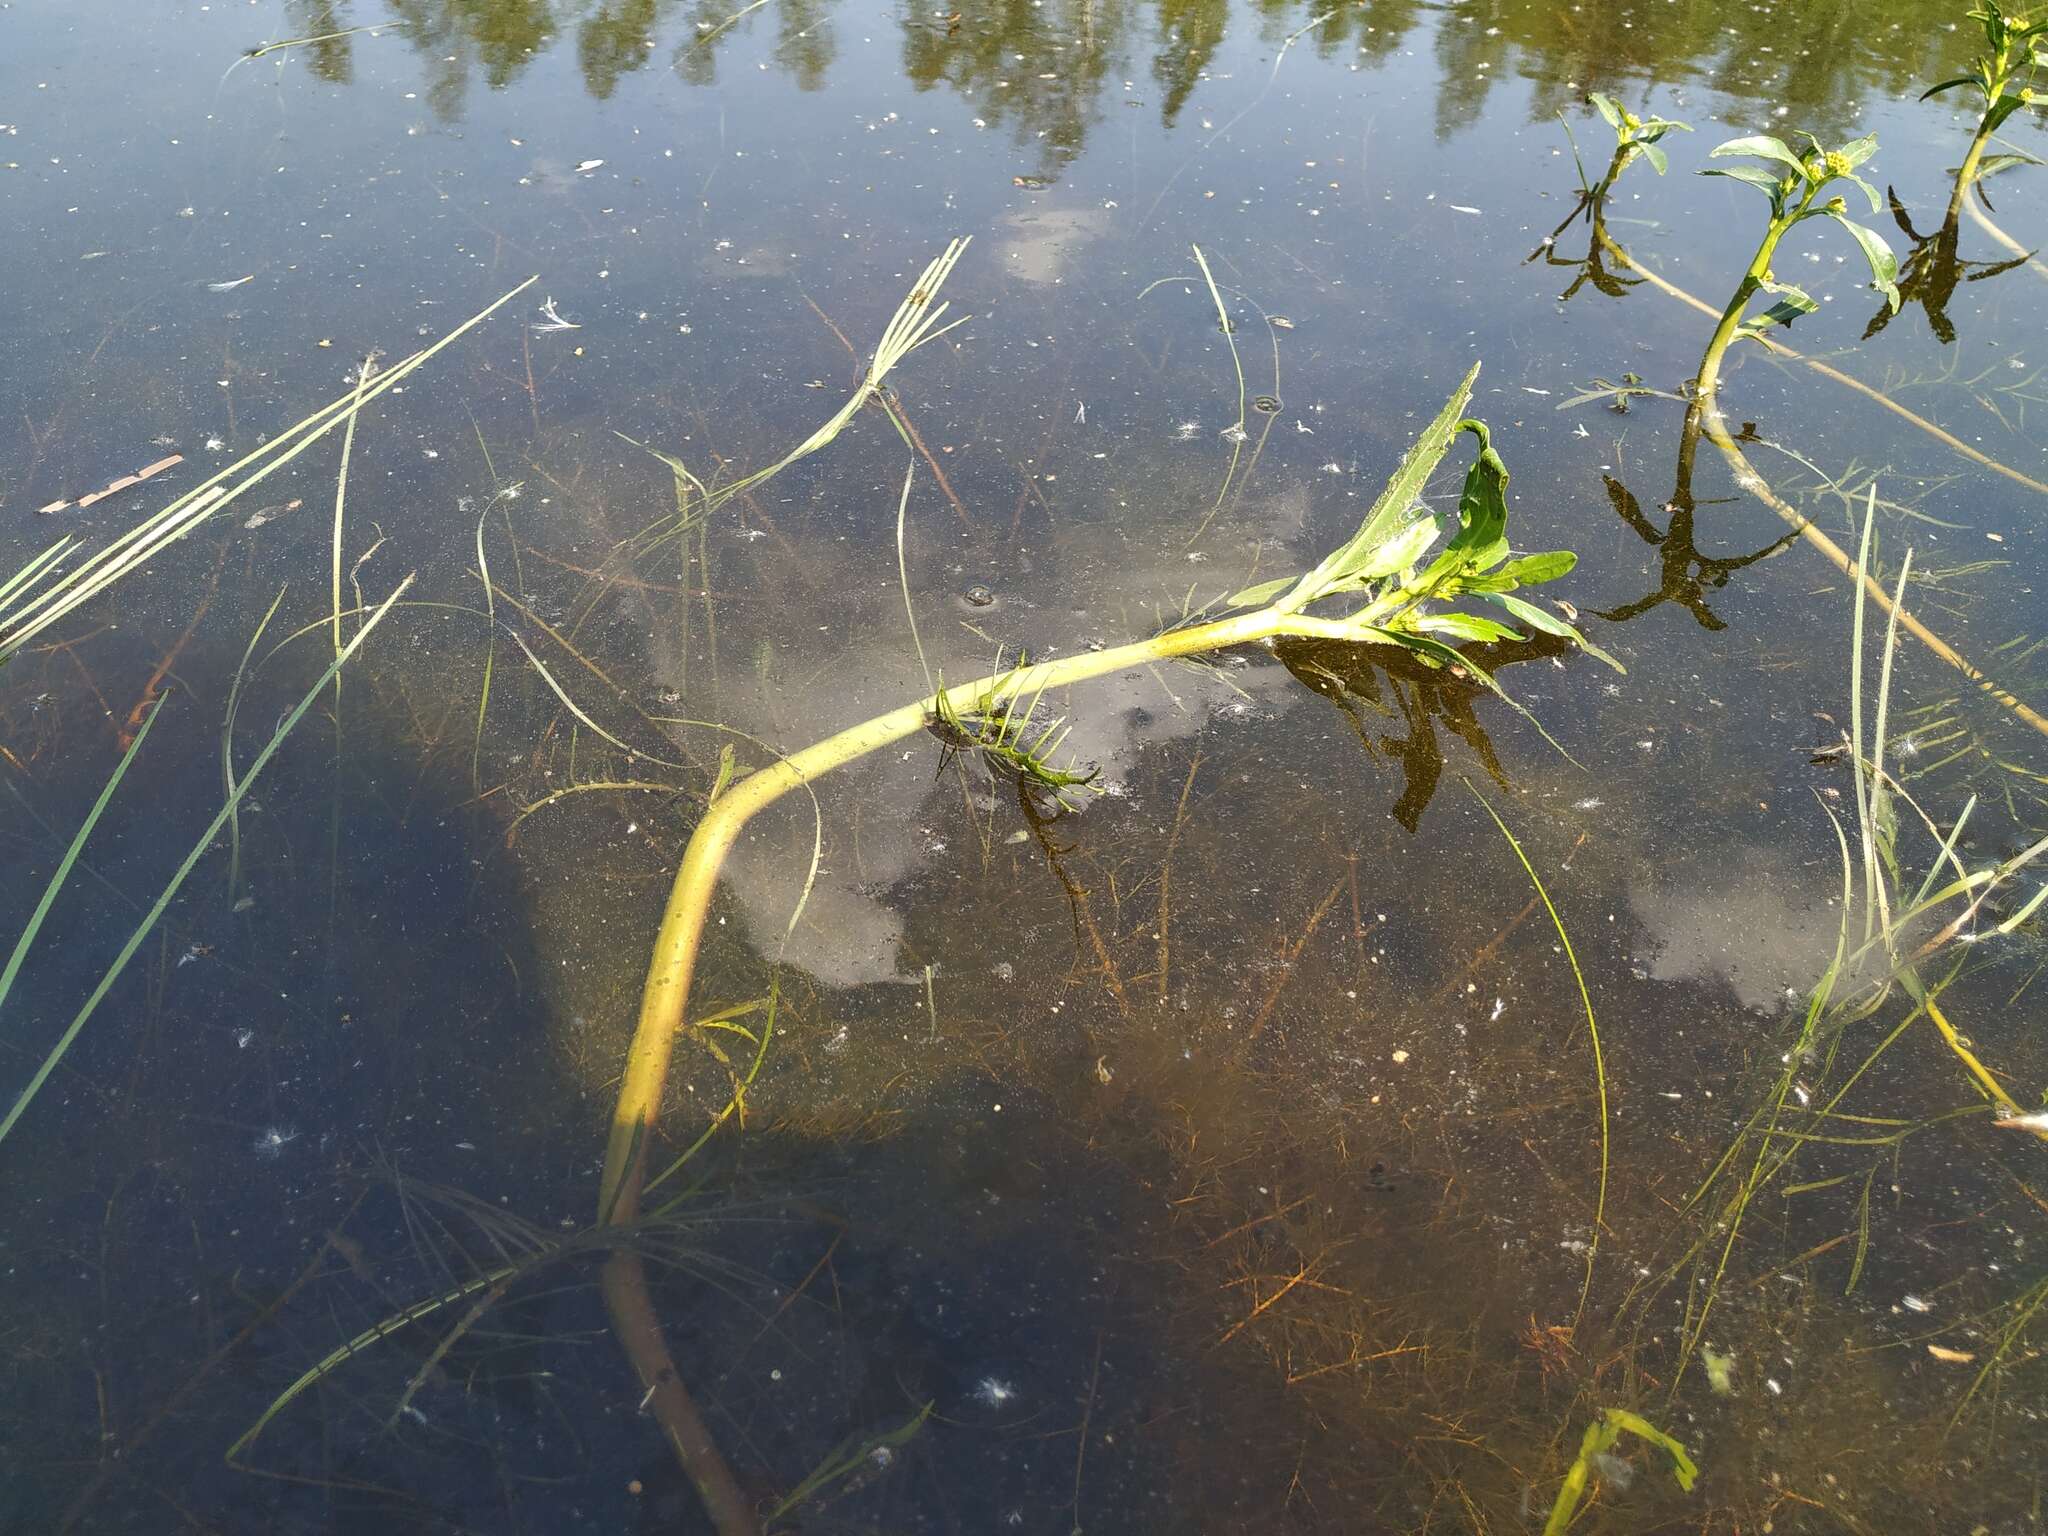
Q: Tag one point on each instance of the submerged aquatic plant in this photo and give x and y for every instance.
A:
(1904, 927)
(1794, 184)
(1594, 1450)
(1381, 587)
(1006, 731)
(43, 591)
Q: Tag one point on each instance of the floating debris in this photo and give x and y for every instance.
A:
(116, 486)
(231, 284)
(271, 514)
(585, 167)
(552, 321)
(1720, 1369)
(1280, 322)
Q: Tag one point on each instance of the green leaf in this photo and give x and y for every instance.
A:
(1792, 303)
(1534, 570)
(2003, 108)
(1870, 192)
(1991, 165)
(1463, 626)
(1856, 151)
(1480, 542)
(1608, 108)
(1948, 85)
(1550, 624)
(1385, 519)
(1755, 176)
(1884, 266)
(1401, 551)
(1764, 147)
(1260, 595)
(1658, 161)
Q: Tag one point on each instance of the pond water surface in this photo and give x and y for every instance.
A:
(1229, 1153)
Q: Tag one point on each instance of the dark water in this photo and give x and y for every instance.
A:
(1220, 1158)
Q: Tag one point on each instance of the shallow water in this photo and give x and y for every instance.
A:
(1222, 1156)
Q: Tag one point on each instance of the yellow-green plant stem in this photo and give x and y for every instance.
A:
(1709, 420)
(1705, 417)
(1966, 175)
(675, 949)
(1753, 279)
(667, 989)
(1948, 439)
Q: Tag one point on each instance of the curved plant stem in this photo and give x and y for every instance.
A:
(1704, 418)
(1592, 1031)
(1615, 249)
(666, 993)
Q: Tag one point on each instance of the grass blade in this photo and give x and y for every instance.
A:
(27, 940)
(184, 870)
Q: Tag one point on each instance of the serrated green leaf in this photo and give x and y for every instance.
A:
(1260, 595)
(1385, 519)
(1765, 147)
(1884, 266)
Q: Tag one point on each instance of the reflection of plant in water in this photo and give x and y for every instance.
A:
(1634, 137)
(1050, 108)
(1929, 274)
(1684, 574)
(1377, 693)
